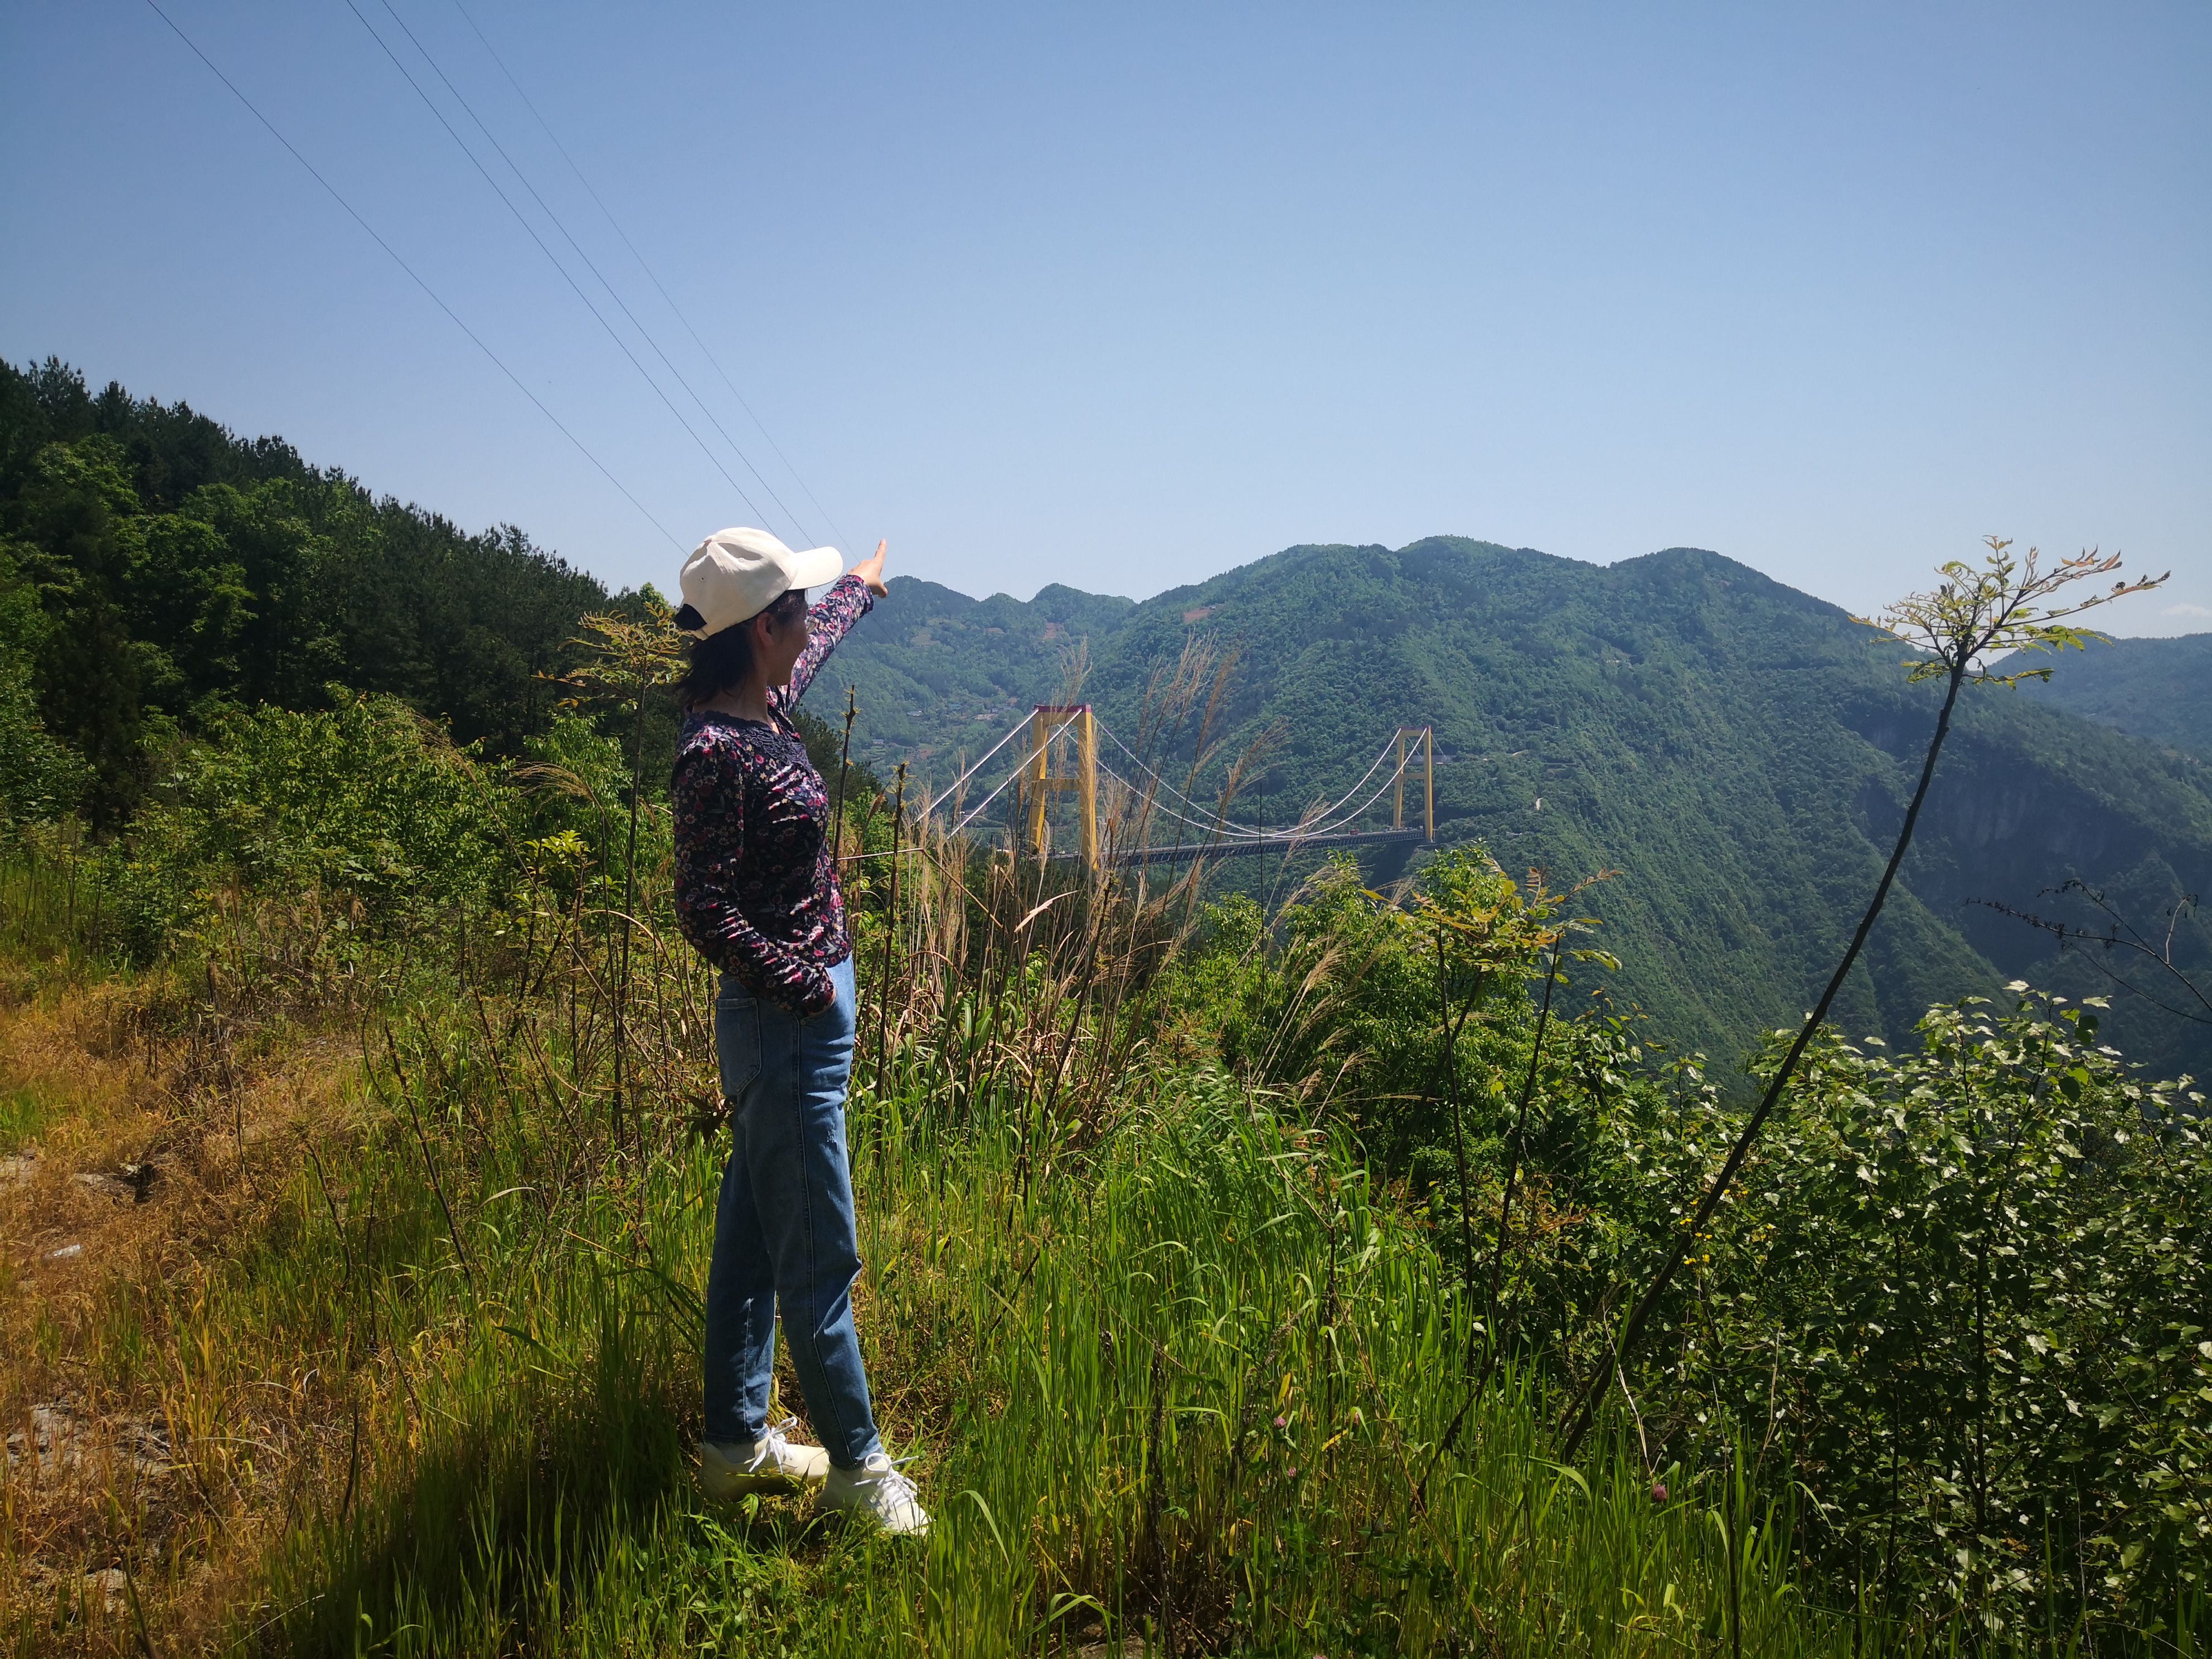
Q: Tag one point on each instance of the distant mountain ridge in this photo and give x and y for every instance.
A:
(1739, 751)
(2158, 690)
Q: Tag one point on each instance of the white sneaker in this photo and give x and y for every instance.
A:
(879, 1492)
(771, 1463)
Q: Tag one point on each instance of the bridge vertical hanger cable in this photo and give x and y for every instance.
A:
(614, 294)
(1323, 821)
(608, 214)
(1153, 772)
(412, 276)
(531, 231)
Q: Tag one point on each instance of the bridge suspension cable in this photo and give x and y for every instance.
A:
(971, 814)
(1307, 826)
(974, 765)
(1221, 835)
(1139, 761)
(1319, 824)
(1215, 826)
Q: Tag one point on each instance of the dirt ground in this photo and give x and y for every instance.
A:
(144, 1135)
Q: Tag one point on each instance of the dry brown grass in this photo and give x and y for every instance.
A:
(155, 1133)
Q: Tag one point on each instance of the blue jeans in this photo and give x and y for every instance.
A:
(783, 1229)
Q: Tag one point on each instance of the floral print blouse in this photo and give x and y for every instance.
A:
(756, 889)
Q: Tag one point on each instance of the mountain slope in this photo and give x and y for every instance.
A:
(1738, 751)
(156, 569)
(938, 673)
(2160, 690)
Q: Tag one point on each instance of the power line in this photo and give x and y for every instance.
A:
(608, 214)
(354, 216)
(590, 264)
(532, 230)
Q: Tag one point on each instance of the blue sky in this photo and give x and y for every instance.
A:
(1122, 296)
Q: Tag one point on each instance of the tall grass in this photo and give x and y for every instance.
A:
(1170, 1363)
(52, 900)
(1179, 1395)
(1165, 1363)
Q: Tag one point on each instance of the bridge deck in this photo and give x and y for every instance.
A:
(1259, 847)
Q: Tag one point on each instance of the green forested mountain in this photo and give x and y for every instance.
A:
(154, 569)
(2160, 689)
(940, 675)
(1738, 751)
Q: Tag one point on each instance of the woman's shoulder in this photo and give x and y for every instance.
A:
(710, 736)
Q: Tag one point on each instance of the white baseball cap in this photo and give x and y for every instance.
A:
(735, 574)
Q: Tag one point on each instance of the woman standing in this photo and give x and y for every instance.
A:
(757, 894)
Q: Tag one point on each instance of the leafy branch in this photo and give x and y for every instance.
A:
(2121, 936)
(1975, 619)
(1961, 630)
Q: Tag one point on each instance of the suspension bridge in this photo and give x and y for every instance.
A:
(1125, 811)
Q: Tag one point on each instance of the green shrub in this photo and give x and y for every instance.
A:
(1337, 1000)
(367, 801)
(1964, 1296)
(41, 777)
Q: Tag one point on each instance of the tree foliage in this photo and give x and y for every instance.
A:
(179, 571)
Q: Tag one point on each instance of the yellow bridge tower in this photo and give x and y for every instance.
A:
(1040, 782)
(1426, 737)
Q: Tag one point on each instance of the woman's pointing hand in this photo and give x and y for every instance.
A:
(870, 571)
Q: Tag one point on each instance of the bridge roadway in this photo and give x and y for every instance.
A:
(1252, 848)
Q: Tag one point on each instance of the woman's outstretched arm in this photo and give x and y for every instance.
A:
(831, 617)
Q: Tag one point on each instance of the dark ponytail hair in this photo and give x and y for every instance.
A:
(721, 662)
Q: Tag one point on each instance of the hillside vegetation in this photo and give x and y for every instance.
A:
(1739, 751)
(1233, 1259)
(156, 571)
(2157, 689)
(1194, 1284)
